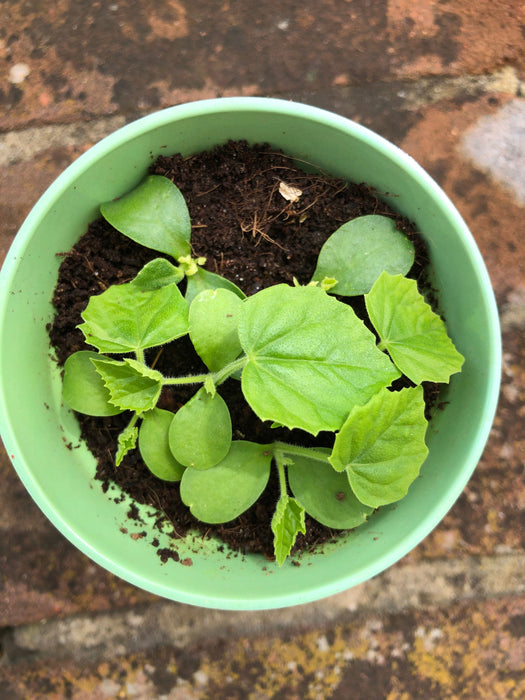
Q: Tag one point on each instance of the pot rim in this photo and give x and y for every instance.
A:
(303, 111)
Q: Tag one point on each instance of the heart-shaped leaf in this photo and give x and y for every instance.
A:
(416, 338)
(204, 279)
(83, 388)
(325, 494)
(357, 253)
(222, 493)
(154, 445)
(382, 445)
(153, 214)
(126, 318)
(287, 523)
(309, 358)
(131, 384)
(213, 321)
(201, 431)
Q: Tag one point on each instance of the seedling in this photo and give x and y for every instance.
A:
(303, 357)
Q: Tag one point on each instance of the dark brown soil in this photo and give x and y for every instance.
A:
(249, 234)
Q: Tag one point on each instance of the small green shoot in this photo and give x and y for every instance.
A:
(287, 523)
(305, 361)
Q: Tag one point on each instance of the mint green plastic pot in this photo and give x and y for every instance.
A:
(35, 425)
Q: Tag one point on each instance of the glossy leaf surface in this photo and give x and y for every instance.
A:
(204, 279)
(357, 253)
(154, 445)
(325, 494)
(222, 493)
(153, 214)
(213, 321)
(201, 431)
(83, 389)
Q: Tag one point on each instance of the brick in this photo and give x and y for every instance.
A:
(21, 184)
(468, 649)
(489, 208)
(42, 575)
(77, 61)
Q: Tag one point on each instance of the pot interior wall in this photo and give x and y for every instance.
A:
(40, 434)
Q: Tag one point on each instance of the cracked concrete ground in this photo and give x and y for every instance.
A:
(445, 82)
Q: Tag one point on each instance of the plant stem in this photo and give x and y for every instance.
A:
(308, 452)
(280, 461)
(192, 379)
(218, 377)
(134, 419)
(222, 374)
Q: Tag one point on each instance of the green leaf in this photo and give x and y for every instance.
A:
(213, 321)
(415, 337)
(153, 214)
(382, 445)
(131, 384)
(309, 358)
(201, 431)
(222, 493)
(325, 494)
(83, 388)
(357, 253)
(125, 318)
(204, 279)
(156, 274)
(154, 445)
(287, 523)
(127, 441)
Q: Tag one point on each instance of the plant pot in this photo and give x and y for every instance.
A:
(38, 429)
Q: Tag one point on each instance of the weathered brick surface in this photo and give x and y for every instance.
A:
(433, 78)
(465, 650)
(76, 60)
(41, 574)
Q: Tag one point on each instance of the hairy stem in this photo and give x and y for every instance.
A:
(280, 461)
(192, 379)
(222, 374)
(217, 377)
(308, 452)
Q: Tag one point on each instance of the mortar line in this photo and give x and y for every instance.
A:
(424, 585)
(25, 143)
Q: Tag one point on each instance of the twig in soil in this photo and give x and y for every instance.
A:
(165, 517)
(88, 263)
(157, 358)
(254, 228)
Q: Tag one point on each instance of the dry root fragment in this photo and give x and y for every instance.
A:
(290, 193)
